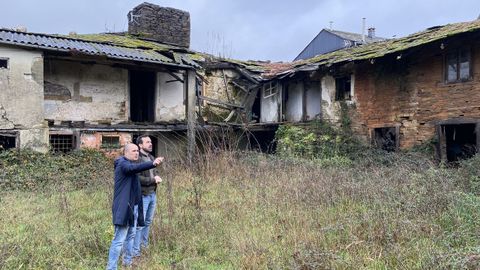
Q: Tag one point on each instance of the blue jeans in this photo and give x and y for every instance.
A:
(141, 236)
(123, 238)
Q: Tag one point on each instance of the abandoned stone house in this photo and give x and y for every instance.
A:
(398, 93)
(98, 91)
(101, 90)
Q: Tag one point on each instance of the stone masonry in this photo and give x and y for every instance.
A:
(165, 25)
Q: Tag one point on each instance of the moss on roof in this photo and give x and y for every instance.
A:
(123, 40)
(380, 49)
(130, 41)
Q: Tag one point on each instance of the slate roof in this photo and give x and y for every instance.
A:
(354, 36)
(111, 48)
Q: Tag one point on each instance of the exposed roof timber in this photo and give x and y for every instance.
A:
(247, 76)
(177, 78)
(220, 103)
(241, 87)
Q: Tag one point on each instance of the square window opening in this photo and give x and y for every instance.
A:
(4, 63)
(110, 142)
(62, 143)
(7, 141)
(386, 138)
(343, 89)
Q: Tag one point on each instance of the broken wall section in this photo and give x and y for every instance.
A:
(227, 88)
(21, 98)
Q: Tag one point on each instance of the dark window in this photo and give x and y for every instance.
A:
(458, 66)
(7, 141)
(343, 88)
(3, 63)
(386, 138)
(61, 143)
(110, 142)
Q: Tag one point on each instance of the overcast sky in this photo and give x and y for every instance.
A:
(245, 29)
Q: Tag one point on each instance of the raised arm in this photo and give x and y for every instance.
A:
(132, 168)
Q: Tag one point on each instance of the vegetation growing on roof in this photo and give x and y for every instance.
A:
(379, 49)
(123, 40)
(130, 41)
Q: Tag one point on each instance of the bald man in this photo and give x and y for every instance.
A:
(127, 206)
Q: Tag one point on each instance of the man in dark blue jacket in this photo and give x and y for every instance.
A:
(127, 207)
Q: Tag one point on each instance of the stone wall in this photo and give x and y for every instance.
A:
(165, 25)
(21, 98)
(92, 93)
(218, 86)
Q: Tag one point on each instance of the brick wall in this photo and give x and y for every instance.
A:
(411, 93)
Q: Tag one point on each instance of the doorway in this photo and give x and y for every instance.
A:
(142, 96)
(256, 107)
(459, 141)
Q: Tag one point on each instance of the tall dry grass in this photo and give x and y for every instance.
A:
(245, 210)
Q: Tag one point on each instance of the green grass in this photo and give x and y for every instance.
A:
(250, 211)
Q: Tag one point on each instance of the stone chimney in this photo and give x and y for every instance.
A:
(371, 32)
(165, 25)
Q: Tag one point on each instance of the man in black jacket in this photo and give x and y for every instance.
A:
(127, 204)
(148, 180)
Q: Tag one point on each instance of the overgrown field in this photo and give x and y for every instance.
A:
(248, 211)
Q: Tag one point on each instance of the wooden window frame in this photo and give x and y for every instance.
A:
(270, 89)
(109, 146)
(458, 51)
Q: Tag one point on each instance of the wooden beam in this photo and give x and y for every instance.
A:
(239, 86)
(220, 102)
(177, 78)
(191, 115)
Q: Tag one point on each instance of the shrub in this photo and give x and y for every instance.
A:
(29, 170)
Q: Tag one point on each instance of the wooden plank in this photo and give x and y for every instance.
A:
(220, 102)
(239, 86)
(177, 78)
